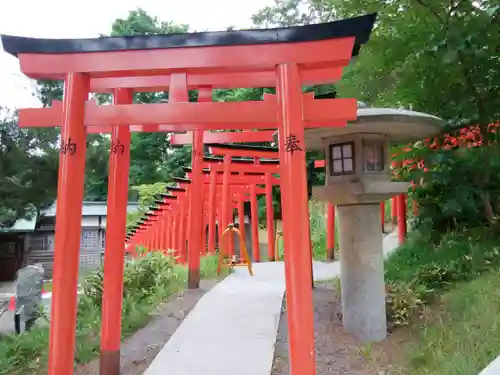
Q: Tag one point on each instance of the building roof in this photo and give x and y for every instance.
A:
(88, 209)
(358, 27)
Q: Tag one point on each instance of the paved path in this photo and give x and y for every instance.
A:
(232, 329)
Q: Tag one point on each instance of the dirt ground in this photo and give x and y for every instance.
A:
(138, 351)
(336, 351)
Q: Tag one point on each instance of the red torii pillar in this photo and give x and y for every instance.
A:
(399, 205)
(297, 236)
(68, 225)
(211, 208)
(154, 219)
(164, 211)
(183, 228)
(195, 209)
(153, 234)
(119, 162)
(401, 210)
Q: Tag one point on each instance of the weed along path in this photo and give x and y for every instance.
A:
(235, 324)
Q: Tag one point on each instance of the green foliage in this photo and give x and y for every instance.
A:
(285, 13)
(317, 218)
(139, 22)
(28, 170)
(457, 257)
(148, 281)
(208, 267)
(152, 158)
(149, 276)
(460, 335)
(459, 190)
(96, 168)
(437, 57)
(147, 196)
(404, 302)
(420, 270)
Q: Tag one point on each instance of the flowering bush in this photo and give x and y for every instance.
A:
(457, 178)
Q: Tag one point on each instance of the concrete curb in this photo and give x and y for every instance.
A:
(493, 368)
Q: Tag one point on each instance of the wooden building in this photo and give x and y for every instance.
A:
(32, 241)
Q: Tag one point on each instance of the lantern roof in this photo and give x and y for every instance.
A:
(398, 125)
(359, 27)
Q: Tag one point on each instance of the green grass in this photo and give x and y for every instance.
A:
(458, 332)
(462, 335)
(457, 279)
(457, 257)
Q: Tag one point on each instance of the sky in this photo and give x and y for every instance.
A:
(88, 18)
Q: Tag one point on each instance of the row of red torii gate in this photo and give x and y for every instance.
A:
(237, 174)
(285, 59)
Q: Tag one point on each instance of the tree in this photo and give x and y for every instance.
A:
(28, 169)
(96, 168)
(439, 57)
(286, 13)
(435, 56)
(152, 159)
(147, 195)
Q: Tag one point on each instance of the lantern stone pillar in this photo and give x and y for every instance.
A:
(357, 179)
(362, 271)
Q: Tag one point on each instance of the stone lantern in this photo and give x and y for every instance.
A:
(357, 179)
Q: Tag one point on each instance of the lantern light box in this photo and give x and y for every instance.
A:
(358, 161)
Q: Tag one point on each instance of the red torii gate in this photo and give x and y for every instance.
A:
(255, 166)
(148, 220)
(152, 220)
(142, 234)
(286, 57)
(239, 185)
(217, 178)
(219, 138)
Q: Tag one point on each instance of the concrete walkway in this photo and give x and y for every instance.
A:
(232, 329)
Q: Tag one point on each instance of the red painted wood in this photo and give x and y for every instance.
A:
(323, 54)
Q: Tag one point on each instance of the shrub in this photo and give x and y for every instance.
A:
(419, 270)
(404, 301)
(458, 256)
(459, 189)
(145, 276)
(148, 280)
